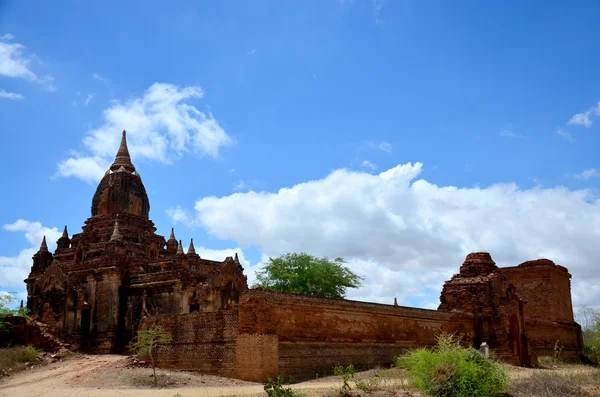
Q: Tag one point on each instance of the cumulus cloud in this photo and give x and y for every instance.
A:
(160, 125)
(15, 269)
(15, 63)
(585, 118)
(408, 235)
(587, 174)
(11, 95)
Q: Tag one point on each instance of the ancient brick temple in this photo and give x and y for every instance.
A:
(98, 284)
(118, 276)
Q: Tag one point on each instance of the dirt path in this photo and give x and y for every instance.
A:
(109, 375)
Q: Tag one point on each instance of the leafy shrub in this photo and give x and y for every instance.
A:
(450, 370)
(346, 374)
(276, 389)
(591, 353)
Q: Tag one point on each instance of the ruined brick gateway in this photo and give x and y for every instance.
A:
(117, 276)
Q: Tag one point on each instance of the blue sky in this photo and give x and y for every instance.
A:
(274, 126)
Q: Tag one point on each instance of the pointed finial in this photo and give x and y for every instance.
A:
(172, 237)
(395, 301)
(65, 233)
(180, 248)
(21, 307)
(236, 258)
(116, 234)
(123, 160)
(191, 249)
(44, 246)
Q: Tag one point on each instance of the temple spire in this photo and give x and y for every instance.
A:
(44, 246)
(180, 248)
(191, 249)
(123, 159)
(172, 237)
(236, 258)
(65, 233)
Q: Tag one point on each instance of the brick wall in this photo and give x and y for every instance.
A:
(204, 342)
(315, 334)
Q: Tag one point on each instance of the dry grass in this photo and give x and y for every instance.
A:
(15, 359)
(568, 380)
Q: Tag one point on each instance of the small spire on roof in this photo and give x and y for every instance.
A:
(123, 160)
(172, 237)
(44, 246)
(236, 258)
(191, 249)
(116, 234)
(180, 248)
(65, 233)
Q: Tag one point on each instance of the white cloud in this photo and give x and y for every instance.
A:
(180, 215)
(88, 99)
(11, 95)
(510, 134)
(96, 76)
(587, 174)
(383, 146)
(160, 125)
(584, 118)
(565, 135)
(16, 268)
(407, 235)
(377, 6)
(14, 63)
(368, 164)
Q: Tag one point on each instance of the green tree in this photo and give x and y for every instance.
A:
(147, 343)
(305, 274)
(5, 300)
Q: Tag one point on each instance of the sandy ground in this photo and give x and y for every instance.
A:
(109, 375)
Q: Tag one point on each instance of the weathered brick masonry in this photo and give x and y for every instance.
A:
(204, 342)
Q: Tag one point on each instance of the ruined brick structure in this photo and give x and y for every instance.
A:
(118, 276)
(273, 333)
(98, 284)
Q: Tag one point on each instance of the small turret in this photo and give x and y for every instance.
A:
(172, 243)
(43, 246)
(236, 259)
(191, 249)
(116, 234)
(64, 241)
(180, 248)
(41, 259)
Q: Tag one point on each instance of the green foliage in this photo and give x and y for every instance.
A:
(450, 370)
(346, 374)
(590, 323)
(305, 274)
(5, 300)
(147, 343)
(276, 389)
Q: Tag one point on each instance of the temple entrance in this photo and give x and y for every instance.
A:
(85, 327)
(515, 338)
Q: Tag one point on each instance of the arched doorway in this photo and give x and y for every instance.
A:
(515, 339)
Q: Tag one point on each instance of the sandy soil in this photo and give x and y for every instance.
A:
(109, 375)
